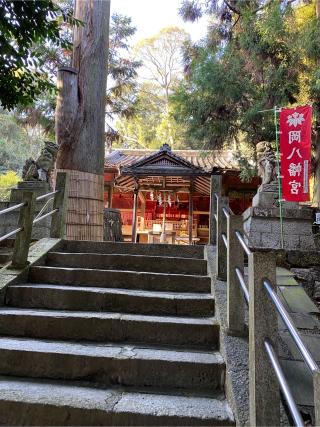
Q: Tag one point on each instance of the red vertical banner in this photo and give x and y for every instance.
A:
(295, 152)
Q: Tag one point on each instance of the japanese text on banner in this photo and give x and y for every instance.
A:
(295, 152)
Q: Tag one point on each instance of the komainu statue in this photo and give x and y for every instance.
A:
(40, 169)
(267, 162)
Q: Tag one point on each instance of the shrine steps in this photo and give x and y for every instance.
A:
(146, 263)
(146, 281)
(81, 345)
(166, 250)
(62, 297)
(53, 403)
(110, 327)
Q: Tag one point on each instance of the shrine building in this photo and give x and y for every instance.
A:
(170, 190)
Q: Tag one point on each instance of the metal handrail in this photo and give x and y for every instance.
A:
(312, 365)
(243, 242)
(12, 233)
(283, 384)
(226, 213)
(44, 207)
(225, 240)
(45, 216)
(12, 208)
(44, 196)
(242, 284)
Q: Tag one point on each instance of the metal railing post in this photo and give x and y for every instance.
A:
(235, 259)
(264, 396)
(23, 238)
(316, 394)
(58, 222)
(221, 257)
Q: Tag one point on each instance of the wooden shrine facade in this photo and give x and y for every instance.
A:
(166, 194)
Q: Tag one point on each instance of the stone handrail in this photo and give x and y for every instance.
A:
(26, 220)
(264, 305)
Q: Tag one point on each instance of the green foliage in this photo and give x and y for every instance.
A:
(152, 123)
(251, 60)
(25, 27)
(7, 181)
(122, 70)
(16, 144)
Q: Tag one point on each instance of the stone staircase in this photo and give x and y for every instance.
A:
(113, 334)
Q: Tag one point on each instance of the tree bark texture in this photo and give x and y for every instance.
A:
(83, 148)
(80, 118)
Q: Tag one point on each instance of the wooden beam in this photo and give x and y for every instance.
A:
(163, 172)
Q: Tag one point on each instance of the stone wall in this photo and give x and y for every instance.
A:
(262, 225)
(305, 265)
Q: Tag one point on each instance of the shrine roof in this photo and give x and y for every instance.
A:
(203, 159)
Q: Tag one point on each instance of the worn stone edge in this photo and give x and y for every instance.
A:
(37, 254)
(227, 344)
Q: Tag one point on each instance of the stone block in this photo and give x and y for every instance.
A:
(269, 240)
(297, 299)
(292, 227)
(261, 225)
(264, 199)
(307, 242)
(255, 240)
(311, 341)
(303, 258)
(300, 381)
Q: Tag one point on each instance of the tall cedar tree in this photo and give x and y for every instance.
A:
(250, 61)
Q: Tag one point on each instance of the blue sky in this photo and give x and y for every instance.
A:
(150, 16)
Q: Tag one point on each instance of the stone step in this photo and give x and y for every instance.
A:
(128, 262)
(104, 299)
(35, 403)
(110, 327)
(181, 251)
(120, 279)
(131, 366)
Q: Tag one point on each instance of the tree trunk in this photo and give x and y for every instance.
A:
(80, 117)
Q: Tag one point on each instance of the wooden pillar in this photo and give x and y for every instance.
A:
(215, 188)
(163, 232)
(134, 215)
(143, 209)
(110, 194)
(190, 212)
